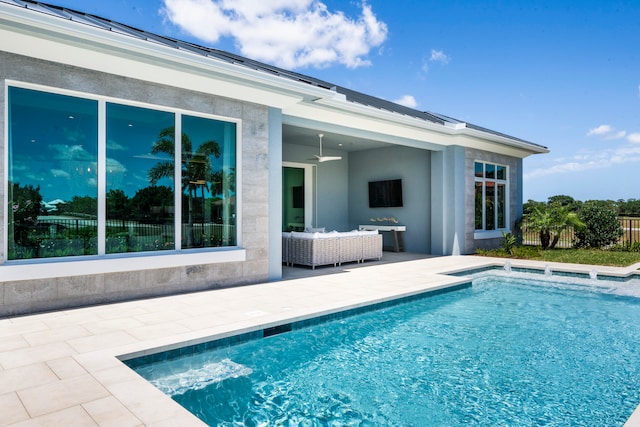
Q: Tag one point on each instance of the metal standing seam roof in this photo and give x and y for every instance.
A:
(216, 54)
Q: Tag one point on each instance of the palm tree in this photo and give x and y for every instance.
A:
(549, 221)
(224, 182)
(196, 170)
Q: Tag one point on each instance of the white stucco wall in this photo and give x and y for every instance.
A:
(412, 165)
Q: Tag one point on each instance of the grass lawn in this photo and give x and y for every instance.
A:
(575, 256)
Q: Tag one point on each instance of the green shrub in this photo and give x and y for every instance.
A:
(602, 227)
(626, 247)
(508, 243)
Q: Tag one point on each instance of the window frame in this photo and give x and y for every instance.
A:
(483, 233)
(178, 252)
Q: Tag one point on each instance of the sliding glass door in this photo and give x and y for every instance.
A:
(297, 197)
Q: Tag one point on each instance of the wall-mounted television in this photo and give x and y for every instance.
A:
(385, 194)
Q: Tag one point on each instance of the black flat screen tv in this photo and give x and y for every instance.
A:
(385, 194)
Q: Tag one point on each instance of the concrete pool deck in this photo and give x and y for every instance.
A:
(62, 368)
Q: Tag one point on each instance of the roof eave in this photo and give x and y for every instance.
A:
(513, 142)
(452, 129)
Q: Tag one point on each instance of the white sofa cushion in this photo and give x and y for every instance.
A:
(314, 230)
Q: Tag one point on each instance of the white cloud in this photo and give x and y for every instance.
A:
(70, 152)
(634, 137)
(59, 173)
(590, 160)
(607, 132)
(439, 56)
(288, 33)
(115, 167)
(617, 135)
(600, 130)
(425, 66)
(115, 146)
(407, 101)
(436, 56)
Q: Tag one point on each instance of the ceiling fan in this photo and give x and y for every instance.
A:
(320, 158)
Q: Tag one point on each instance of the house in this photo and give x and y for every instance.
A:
(176, 167)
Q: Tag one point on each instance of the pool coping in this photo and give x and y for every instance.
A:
(76, 355)
(150, 356)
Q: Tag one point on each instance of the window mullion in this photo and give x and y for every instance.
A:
(507, 222)
(484, 204)
(496, 205)
(102, 175)
(178, 181)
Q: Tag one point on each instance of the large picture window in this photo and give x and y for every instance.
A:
(53, 186)
(490, 197)
(160, 192)
(139, 204)
(208, 182)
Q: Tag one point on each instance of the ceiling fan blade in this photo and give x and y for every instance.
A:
(328, 158)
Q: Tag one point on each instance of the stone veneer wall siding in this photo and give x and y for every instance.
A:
(471, 156)
(3, 172)
(26, 296)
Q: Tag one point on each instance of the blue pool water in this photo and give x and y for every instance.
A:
(507, 351)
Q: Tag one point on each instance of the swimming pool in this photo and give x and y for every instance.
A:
(510, 350)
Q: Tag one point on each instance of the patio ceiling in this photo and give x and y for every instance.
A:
(331, 140)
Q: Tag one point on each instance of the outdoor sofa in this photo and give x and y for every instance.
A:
(318, 248)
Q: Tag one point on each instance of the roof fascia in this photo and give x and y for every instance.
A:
(533, 148)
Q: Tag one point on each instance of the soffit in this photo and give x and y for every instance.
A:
(389, 128)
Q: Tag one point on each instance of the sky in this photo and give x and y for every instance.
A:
(559, 73)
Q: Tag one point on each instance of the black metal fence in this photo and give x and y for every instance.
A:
(54, 236)
(630, 227)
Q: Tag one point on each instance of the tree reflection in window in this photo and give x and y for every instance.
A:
(201, 177)
(52, 169)
(53, 206)
(139, 217)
